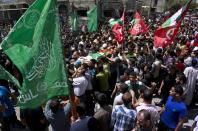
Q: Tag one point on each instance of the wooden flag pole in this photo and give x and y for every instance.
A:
(71, 94)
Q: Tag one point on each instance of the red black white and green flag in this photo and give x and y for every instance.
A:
(138, 26)
(166, 33)
(117, 27)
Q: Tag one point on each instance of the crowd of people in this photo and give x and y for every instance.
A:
(115, 91)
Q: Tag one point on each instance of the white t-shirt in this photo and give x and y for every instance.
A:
(118, 99)
(196, 127)
(80, 85)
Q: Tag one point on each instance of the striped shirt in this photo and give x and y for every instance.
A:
(122, 118)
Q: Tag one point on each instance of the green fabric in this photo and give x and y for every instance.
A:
(177, 16)
(73, 20)
(92, 19)
(5, 75)
(95, 56)
(166, 23)
(34, 46)
(114, 22)
(134, 21)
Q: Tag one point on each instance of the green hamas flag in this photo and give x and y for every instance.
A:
(92, 19)
(73, 20)
(5, 75)
(34, 46)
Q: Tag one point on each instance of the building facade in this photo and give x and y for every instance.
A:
(12, 9)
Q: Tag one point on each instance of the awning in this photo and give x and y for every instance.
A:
(13, 9)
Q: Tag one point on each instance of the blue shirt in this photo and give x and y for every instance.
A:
(59, 120)
(123, 119)
(86, 123)
(6, 102)
(173, 112)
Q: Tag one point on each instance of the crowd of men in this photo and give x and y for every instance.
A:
(115, 91)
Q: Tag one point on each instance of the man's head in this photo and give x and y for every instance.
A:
(127, 98)
(80, 109)
(123, 88)
(147, 95)
(76, 55)
(133, 77)
(126, 74)
(180, 79)
(194, 63)
(54, 105)
(100, 68)
(80, 71)
(176, 91)
(102, 99)
(143, 120)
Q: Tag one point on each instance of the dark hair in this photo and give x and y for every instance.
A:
(54, 105)
(159, 50)
(181, 59)
(126, 98)
(146, 114)
(158, 55)
(102, 99)
(124, 88)
(179, 89)
(147, 95)
(194, 63)
(80, 109)
(100, 68)
(127, 71)
(182, 77)
(93, 61)
(133, 74)
(171, 52)
(122, 79)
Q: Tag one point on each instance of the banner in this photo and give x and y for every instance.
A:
(92, 19)
(138, 26)
(167, 32)
(34, 46)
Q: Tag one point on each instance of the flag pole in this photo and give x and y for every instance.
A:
(71, 92)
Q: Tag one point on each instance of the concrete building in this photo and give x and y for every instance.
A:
(12, 9)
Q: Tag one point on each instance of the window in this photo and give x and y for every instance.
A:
(13, 6)
(25, 5)
(82, 13)
(108, 13)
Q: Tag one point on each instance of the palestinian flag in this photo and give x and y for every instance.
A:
(113, 22)
(118, 29)
(166, 33)
(138, 26)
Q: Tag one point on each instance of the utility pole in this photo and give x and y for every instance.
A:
(136, 4)
(150, 5)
